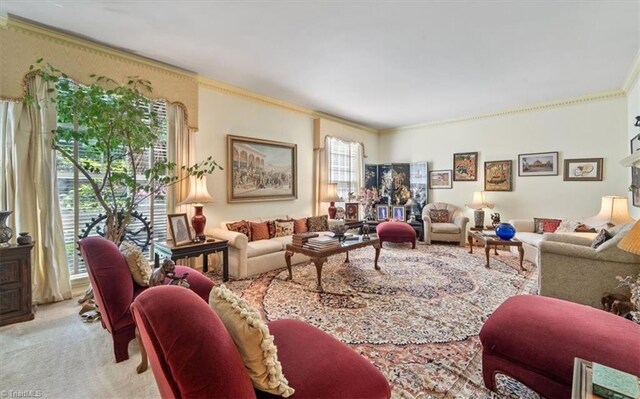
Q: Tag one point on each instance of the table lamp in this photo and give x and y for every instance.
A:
(198, 195)
(479, 203)
(631, 242)
(613, 211)
(331, 196)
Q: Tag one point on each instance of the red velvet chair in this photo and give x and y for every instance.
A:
(114, 289)
(192, 354)
(535, 339)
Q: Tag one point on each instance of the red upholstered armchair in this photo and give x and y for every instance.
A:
(114, 289)
(192, 354)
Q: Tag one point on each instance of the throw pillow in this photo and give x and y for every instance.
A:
(259, 231)
(542, 225)
(253, 340)
(439, 216)
(137, 262)
(567, 226)
(284, 228)
(240, 227)
(271, 224)
(583, 228)
(300, 226)
(318, 223)
(601, 238)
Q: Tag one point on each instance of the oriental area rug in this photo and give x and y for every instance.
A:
(417, 319)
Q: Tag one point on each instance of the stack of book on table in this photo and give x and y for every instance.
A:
(301, 238)
(322, 242)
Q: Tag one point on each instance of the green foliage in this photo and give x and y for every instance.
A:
(116, 126)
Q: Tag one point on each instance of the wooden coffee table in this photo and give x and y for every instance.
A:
(319, 257)
(488, 240)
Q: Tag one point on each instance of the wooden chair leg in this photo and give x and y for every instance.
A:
(142, 367)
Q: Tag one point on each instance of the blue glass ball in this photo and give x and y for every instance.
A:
(505, 231)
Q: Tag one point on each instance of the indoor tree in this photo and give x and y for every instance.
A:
(116, 125)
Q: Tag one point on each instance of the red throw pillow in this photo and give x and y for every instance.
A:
(300, 226)
(542, 225)
(240, 227)
(259, 231)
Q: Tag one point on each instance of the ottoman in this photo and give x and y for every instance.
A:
(534, 340)
(396, 232)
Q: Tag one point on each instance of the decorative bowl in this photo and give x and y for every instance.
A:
(505, 231)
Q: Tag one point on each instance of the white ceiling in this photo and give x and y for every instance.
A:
(379, 63)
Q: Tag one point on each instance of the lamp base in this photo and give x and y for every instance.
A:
(478, 218)
(198, 221)
(332, 210)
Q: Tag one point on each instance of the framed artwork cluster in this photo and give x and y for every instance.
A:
(385, 212)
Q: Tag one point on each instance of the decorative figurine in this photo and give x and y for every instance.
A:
(365, 231)
(495, 219)
(167, 270)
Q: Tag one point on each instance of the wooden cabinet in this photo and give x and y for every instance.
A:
(15, 284)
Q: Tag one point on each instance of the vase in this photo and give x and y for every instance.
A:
(5, 231)
(24, 239)
(505, 231)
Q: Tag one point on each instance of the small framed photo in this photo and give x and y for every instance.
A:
(179, 229)
(538, 164)
(398, 213)
(498, 175)
(465, 166)
(583, 169)
(382, 212)
(440, 179)
(352, 212)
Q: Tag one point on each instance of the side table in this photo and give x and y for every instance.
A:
(173, 252)
(15, 284)
(419, 229)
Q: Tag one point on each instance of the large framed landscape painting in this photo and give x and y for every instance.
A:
(465, 166)
(260, 170)
(497, 176)
(538, 164)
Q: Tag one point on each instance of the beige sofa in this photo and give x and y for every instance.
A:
(531, 241)
(454, 230)
(570, 269)
(249, 258)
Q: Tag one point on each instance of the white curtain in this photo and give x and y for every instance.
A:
(181, 150)
(320, 178)
(29, 188)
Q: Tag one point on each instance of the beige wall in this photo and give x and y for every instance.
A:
(633, 110)
(590, 129)
(222, 113)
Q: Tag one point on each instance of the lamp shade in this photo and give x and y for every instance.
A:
(631, 242)
(479, 201)
(198, 193)
(613, 210)
(331, 193)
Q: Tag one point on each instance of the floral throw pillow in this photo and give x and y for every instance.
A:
(318, 223)
(541, 225)
(601, 238)
(241, 227)
(259, 231)
(284, 228)
(439, 215)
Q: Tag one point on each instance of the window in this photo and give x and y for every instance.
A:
(345, 166)
(78, 204)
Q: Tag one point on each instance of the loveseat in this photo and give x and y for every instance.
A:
(531, 241)
(249, 258)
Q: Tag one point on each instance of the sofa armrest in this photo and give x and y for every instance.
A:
(461, 221)
(237, 240)
(523, 225)
(565, 249)
(567, 239)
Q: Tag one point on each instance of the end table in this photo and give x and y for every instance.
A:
(173, 252)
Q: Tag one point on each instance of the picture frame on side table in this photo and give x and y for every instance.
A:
(260, 170)
(352, 212)
(465, 166)
(498, 175)
(440, 179)
(398, 212)
(583, 169)
(538, 164)
(382, 212)
(179, 230)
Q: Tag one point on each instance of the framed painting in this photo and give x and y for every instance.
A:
(498, 175)
(398, 213)
(179, 229)
(465, 166)
(382, 212)
(352, 212)
(635, 186)
(583, 169)
(635, 144)
(260, 170)
(440, 179)
(538, 164)
(418, 178)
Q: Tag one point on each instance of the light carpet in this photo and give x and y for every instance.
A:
(417, 320)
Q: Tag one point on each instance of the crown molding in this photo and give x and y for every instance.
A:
(632, 76)
(530, 108)
(263, 99)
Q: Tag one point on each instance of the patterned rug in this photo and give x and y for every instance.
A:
(417, 319)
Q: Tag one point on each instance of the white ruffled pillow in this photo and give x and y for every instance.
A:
(137, 262)
(568, 226)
